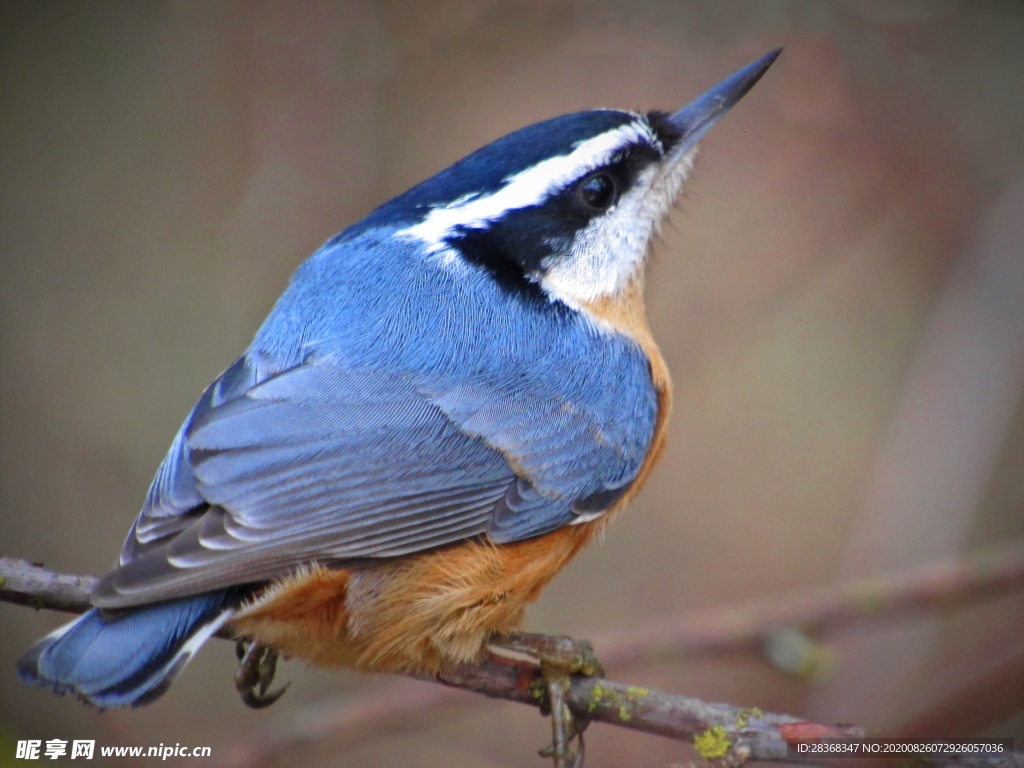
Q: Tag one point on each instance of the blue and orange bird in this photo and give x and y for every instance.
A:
(450, 399)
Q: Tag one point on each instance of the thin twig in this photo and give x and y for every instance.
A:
(33, 585)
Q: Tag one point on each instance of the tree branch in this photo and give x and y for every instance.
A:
(938, 585)
(718, 730)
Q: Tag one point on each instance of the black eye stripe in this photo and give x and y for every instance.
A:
(518, 246)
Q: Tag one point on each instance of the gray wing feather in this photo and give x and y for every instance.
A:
(313, 464)
(325, 463)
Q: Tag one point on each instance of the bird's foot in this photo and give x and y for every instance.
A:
(256, 666)
(560, 658)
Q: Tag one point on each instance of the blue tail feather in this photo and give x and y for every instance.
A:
(128, 657)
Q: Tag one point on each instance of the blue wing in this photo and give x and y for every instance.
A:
(358, 440)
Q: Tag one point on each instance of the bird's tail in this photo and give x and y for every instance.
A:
(127, 657)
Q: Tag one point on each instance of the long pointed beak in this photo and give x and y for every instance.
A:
(694, 120)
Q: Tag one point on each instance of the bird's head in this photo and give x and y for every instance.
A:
(567, 207)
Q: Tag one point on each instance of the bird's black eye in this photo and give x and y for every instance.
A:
(597, 191)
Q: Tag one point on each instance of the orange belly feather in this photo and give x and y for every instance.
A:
(413, 613)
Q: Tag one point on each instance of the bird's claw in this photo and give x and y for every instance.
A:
(564, 726)
(560, 658)
(257, 664)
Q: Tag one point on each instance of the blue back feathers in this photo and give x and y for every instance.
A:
(390, 404)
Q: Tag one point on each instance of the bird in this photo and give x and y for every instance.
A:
(450, 399)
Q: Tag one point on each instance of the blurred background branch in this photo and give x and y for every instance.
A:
(898, 595)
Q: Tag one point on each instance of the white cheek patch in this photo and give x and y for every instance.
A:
(526, 188)
(612, 247)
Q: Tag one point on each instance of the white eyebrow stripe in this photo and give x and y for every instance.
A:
(528, 187)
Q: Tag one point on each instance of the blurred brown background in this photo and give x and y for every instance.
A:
(840, 297)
